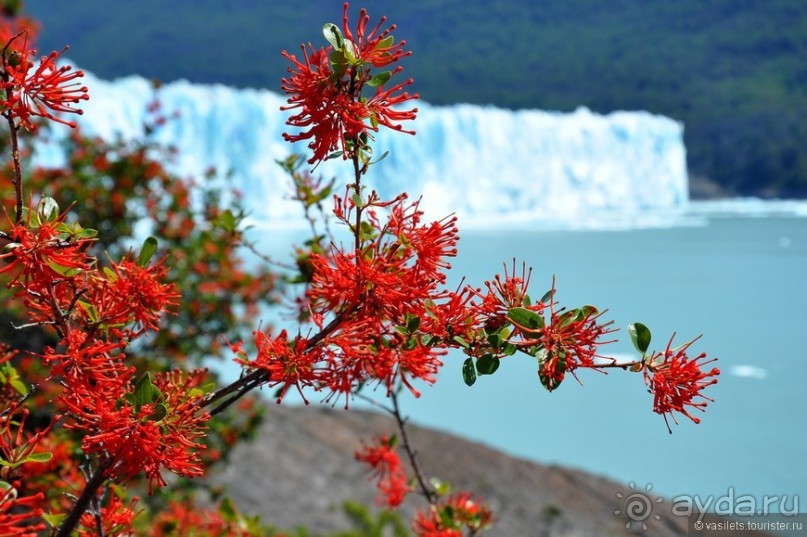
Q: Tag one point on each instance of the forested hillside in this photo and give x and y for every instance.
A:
(734, 71)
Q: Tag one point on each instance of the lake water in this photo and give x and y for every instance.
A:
(739, 281)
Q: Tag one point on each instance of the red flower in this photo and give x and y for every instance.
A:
(42, 253)
(378, 49)
(44, 91)
(184, 519)
(387, 468)
(327, 91)
(130, 293)
(506, 293)
(16, 447)
(450, 516)
(116, 519)
(88, 364)
(287, 363)
(675, 380)
(149, 428)
(17, 513)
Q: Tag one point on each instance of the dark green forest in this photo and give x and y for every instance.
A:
(733, 71)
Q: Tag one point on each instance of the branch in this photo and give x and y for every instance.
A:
(258, 377)
(83, 501)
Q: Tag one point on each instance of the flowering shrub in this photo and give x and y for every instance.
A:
(374, 313)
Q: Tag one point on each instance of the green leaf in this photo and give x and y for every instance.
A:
(495, 340)
(413, 323)
(588, 310)
(333, 35)
(469, 371)
(92, 312)
(487, 364)
(380, 79)
(386, 42)
(32, 219)
(526, 318)
(61, 270)
(147, 252)
(145, 392)
(640, 335)
(227, 221)
(548, 296)
(357, 200)
(382, 157)
(227, 510)
(39, 457)
(160, 412)
(19, 385)
(47, 209)
(461, 342)
(54, 520)
(87, 233)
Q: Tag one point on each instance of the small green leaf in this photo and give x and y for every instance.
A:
(487, 364)
(47, 209)
(380, 79)
(440, 487)
(526, 318)
(227, 221)
(147, 252)
(160, 411)
(61, 270)
(382, 157)
(461, 342)
(227, 510)
(413, 323)
(640, 335)
(54, 520)
(87, 233)
(495, 340)
(469, 371)
(386, 42)
(39, 457)
(90, 310)
(357, 201)
(548, 296)
(19, 385)
(145, 392)
(333, 35)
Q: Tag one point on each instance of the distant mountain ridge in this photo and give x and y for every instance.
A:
(732, 70)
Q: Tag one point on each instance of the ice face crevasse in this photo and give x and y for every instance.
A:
(478, 162)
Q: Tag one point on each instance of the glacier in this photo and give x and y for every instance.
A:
(485, 164)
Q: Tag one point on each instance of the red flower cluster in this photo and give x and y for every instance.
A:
(326, 88)
(131, 294)
(115, 519)
(18, 513)
(450, 516)
(45, 90)
(184, 519)
(387, 468)
(149, 428)
(676, 380)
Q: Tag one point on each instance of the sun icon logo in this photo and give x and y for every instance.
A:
(638, 506)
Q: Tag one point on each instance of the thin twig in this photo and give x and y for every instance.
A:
(401, 421)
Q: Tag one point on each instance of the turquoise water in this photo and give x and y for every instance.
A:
(738, 281)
